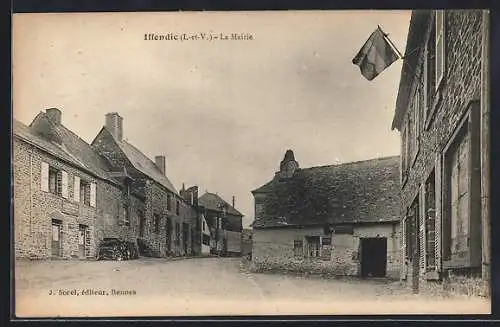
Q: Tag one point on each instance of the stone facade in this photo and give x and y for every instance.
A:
(67, 197)
(428, 129)
(273, 249)
(166, 229)
(34, 208)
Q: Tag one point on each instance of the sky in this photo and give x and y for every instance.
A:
(223, 112)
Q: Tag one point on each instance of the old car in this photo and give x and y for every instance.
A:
(117, 249)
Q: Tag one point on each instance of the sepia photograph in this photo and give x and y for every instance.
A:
(251, 163)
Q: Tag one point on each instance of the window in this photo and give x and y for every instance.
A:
(440, 46)
(404, 150)
(416, 123)
(126, 219)
(156, 219)
(411, 230)
(430, 73)
(204, 226)
(461, 203)
(430, 222)
(298, 248)
(206, 239)
(177, 234)
(326, 247)
(142, 222)
(55, 181)
(177, 207)
(169, 202)
(259, 208)
(313, 246)
(84, 192)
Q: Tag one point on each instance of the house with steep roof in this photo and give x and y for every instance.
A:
(224, 222)
(66, 199)
(340, 219)
(168, 223)
(442, 113)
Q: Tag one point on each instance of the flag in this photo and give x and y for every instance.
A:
(375, 55)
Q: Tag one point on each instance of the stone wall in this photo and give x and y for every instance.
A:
(34, 209)
(272, 249)
(461, 85)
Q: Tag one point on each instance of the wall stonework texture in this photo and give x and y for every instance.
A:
(462, 84)
(34, 209)
(272, 249)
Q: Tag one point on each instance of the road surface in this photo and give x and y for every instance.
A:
(206, 286)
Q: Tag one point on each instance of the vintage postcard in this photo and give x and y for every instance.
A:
(171, 164)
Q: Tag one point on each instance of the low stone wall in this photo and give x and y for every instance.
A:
(299, 265)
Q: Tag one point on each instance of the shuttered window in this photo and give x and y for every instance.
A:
(55, 179)
(416, 123)
(462, 194)
(439, 212)
(459, 196)
(440, 46)
(298, 248)
(404, 236)
(313, 246)
(64, 185)
(92, 194)
(169, 202)
(404, 151)
(430, 222)
(85, 190)
(413, 219)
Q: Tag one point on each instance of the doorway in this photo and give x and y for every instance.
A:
(373, 257)
(168, 238)
(82, 241)
(142, 222)
(56, 238)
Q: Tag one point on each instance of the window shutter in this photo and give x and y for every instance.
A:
(425, 95)
(87, 242)
(440, 53)
(439, 211)
(92, 194)
(403, 240)
(64, 184)
(76, 189)
(45, 177)
(422, 235)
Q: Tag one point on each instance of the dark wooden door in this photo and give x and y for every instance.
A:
(56, 238)
(168, 239)
(82, 241)
(142, 219)
(373, 257)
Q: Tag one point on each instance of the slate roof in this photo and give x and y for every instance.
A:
(145, 165)
(214, 202)
(357, 192)
(72, 149)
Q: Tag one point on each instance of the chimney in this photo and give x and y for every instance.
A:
(54, 114)
(233, 201)
(114, 124)
(160, 163)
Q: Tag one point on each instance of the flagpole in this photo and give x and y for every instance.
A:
(391, 43)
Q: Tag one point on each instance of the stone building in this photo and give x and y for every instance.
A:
(224, 222)
(339, 219)
(442, 114)
(167, 224)
(62, 192)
